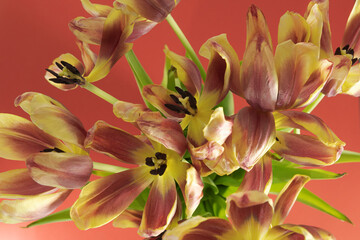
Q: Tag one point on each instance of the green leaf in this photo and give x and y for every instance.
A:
(101, 173)
(283, 173)
(140, 201)
(209, 184)
(233, 179)
(218, 206)
(228, 104)
(62, 216)
(142, 78)
(312, 200)
(349, 157)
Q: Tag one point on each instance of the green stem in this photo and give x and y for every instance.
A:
(108, 167)
(313, 105)
(186, 44)
(100, 93)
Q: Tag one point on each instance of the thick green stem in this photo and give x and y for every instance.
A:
(313, 105)
(179, 33)
(108, 167)
(100, 93)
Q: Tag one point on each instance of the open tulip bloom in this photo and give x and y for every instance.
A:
(198, 169)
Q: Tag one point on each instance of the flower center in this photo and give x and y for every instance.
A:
(158, 163)
(58, 150)
(186, 104)
(68, 75)
(347, 51)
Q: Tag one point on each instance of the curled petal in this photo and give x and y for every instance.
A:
(287, 197)
(128, 219)
(190, 184)
(351, 85)
(293, 26)
(159, 97)
(154, 10)
(162, 130)
(200, 228)
(160, 207)
(352, 34)
(141, 27)
(19, 138)
(118, 144)
(48, 115)
(258, 79)
(314, 84)
(293, 232)
(106, 198)
(69, 58)
(294, 65)
(250, 213)
(259, 178)
(223, 69)
(29, 209)
(256, 25)
(61, 170)
(340, 71)
(129, 112)
(253, 135)
(187, 71)
(88, 56)
(88, 30)
(96, 10)
(18, 183)
(218, 128)
(118, 27)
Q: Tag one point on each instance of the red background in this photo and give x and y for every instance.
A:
(34, 32)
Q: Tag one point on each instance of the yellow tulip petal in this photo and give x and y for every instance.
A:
(88, 30)
(293, 26)
(96, 10)
(351, 34)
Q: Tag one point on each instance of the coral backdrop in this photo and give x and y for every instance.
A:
(35, 32)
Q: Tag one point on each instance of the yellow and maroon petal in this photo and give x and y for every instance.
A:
(165, 131)
(223, 69)
(33, 208)
(160, 207)
(154, 10)
(352, 35)
(186, 70)
(117, 28)
(159, 97)
(48, 114)
(69, 58)
(259, 178)
(190, 184)
(88, 30)
(253, 135)
(200, 228)
(129, 112)
(96, 10)
(218, 129)
(256, 25)
(19, 138)
(323, 149)
(318, 233)
(287, 197)
(283, 233)
(118, 144)
(106, 198)
(341, 68)
(141, 27)
(250, 213)
(61, 170)
(294, 65)
(88, 56)
(314, 84)
(351, 85)
(258, 78)
(293, 26)
(18, 183)
(128, 219)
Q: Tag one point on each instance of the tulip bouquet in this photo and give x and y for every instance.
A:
(198, 168)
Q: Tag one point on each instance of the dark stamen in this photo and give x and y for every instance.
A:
(160, 155)
(52, 72)
(277, 139)
(192, 101)
(350, 51)
(149, 162)
(354, 60)
(70, 67)
(174, 108)
(175, 99)
(58, 150)
(162, 169)
(154, 172)
(338, 51)
(59, 65)
(346, 47)
(181, 92)
(63, 80)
